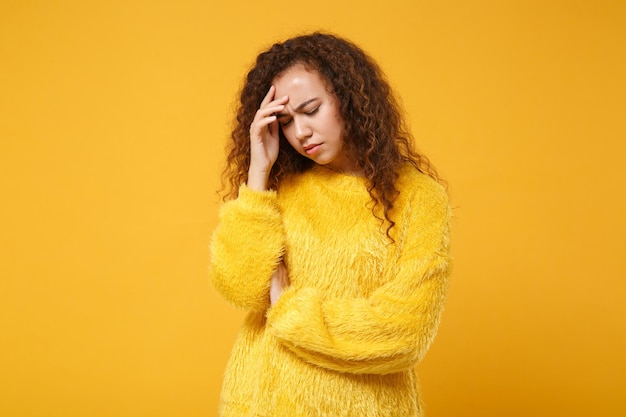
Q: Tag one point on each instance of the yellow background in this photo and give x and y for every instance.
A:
(113, 119)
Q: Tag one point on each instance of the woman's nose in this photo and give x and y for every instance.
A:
(301, 129)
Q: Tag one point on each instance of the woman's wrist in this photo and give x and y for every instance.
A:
(257, 179)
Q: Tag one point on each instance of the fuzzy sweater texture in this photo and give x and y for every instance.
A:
(360, 311)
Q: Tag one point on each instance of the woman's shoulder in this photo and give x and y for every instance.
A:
(423, 201)
(414, 184)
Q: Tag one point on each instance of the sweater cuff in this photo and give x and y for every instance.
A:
(249, 197)
(295, 312)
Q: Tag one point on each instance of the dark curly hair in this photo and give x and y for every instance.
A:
(375, 133)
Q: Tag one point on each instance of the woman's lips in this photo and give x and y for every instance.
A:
(311, 149)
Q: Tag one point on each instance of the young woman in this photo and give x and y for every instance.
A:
(334, 239)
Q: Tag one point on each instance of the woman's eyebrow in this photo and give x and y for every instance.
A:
(299, 108)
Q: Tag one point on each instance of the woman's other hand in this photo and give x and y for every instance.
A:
(280, 280)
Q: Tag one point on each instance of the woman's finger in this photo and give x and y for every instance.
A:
(268, 111)
(260, 124)
(269, 96)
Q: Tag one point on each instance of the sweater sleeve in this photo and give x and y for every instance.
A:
(246, 247)
(389, 331)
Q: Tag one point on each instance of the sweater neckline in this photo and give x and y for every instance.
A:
(337, 181)
(328, 171)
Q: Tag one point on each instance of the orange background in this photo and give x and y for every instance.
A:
(113, 119)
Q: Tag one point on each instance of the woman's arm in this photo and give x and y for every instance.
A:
(246, 248)
(248, 242)
(390, 330)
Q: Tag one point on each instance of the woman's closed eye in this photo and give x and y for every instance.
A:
(312, 112)
(284, 121)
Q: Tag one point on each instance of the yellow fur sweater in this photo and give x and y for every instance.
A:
(360, 312)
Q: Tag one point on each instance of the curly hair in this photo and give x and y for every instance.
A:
(375, 132)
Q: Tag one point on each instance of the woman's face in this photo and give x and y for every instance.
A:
(310, 120)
